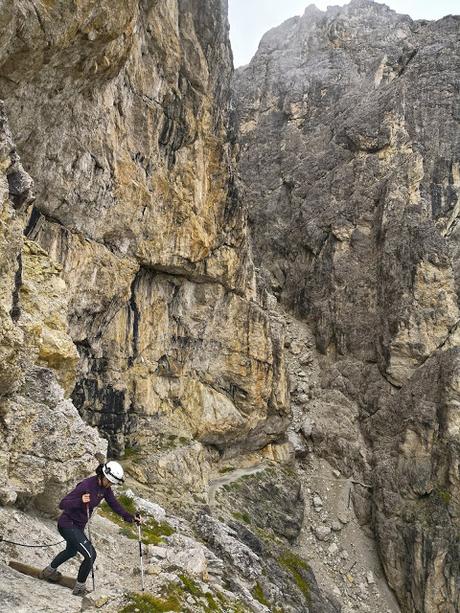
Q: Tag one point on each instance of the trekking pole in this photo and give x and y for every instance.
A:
(91, 543)
(140, 548)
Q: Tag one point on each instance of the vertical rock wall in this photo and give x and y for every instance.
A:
(121, 114)
(44, 444)
(349, 139)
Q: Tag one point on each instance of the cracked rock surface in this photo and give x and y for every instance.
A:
(135, 202)
(349, 164)
(290, 429)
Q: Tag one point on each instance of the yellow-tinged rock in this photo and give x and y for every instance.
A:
(282, 453)
(43, 306)
(434, 315)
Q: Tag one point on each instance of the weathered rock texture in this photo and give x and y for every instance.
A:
(193, 567)
(349, 162)
(129, 294)
(263, 512)
(45, 445)
(121, 113)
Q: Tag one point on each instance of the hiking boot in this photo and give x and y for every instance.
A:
(80, 589)
(50, 574)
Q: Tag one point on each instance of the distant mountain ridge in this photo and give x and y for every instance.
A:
(349, 165)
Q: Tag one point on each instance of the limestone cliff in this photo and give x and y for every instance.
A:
(348, 123)
(121, 114)
(38, 358)
(131, 312)
(129, 303)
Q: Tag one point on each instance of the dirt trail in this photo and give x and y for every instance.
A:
(229, 477)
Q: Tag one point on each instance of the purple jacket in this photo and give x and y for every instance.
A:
(75, 514)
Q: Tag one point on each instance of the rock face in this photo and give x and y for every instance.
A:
(349, 139)
(129, 299)
(129, 303)
(136, 202)
(263, 513)
(44, 443)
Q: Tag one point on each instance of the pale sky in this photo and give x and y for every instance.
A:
(250, 19)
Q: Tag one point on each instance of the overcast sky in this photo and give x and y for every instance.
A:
(250, 19)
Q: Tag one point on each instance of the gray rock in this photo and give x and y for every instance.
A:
(307, 427)
(147, 507)
(298, 444)
(343, 517)
(302, 398)
(157, 552)
(329, 108)
(336, 526)
(100, 212)
(333, 549)
(317, 502)
(370, 578)
(222, 539)
(322, 533)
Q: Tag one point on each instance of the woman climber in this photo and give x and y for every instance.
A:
(77, 508)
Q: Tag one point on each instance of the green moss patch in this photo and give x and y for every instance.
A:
(152, 531)
(242, 517)
(259, 595)
(239, 607)
(268, 535)
(444, 496)
(191, 587)
(296, 566)
(226, 469)
(172, 597)
(147, 603)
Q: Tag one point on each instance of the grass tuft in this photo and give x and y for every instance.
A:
(147, 603)
(296, 566)
(242, 517)
(152, 531)
(259, 595)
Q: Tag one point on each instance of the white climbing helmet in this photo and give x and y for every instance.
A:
(114, 472)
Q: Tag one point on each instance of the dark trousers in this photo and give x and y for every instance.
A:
(76, 542)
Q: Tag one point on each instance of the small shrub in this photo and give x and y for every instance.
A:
(212, 604)
(128, 503)
(190, 585)
(131, 453)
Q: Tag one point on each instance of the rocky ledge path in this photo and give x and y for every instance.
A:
(231, 476)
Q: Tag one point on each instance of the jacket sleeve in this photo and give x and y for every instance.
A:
(73, 499)
(116, 506)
